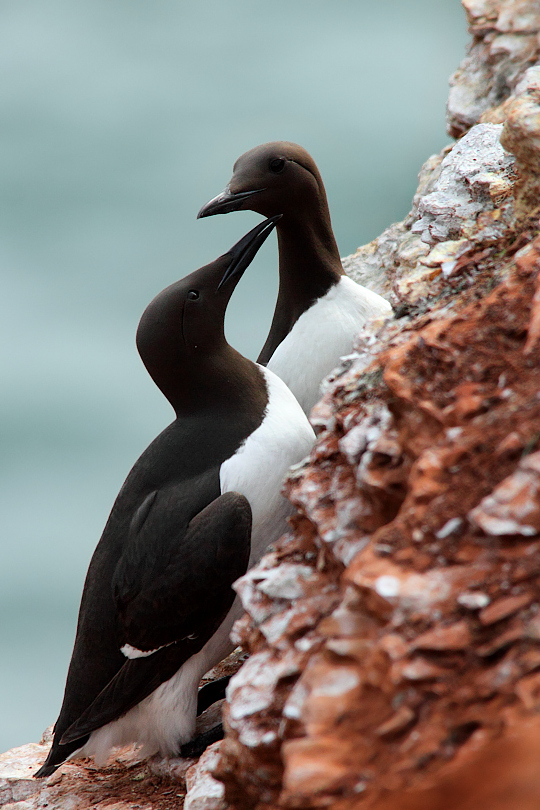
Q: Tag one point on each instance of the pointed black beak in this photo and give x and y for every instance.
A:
(226, 202)
(243, 253)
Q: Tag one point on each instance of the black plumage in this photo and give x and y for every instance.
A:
(159, 583)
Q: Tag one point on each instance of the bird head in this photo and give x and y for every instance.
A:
(274, 178)
(182, 329)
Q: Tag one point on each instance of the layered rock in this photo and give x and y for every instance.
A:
(415, 638)
(395, 631)
(505, 43)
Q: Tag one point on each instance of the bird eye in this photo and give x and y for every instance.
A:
(277, 165)
(193, 295)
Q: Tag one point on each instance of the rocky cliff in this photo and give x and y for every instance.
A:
(394, 632)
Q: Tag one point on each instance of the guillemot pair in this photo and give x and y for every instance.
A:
(203, 502)
(319, 310)
(200, 505)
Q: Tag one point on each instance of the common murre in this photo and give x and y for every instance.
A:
(200, 505)
(319, 310)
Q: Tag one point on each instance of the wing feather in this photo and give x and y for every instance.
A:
(179, 607)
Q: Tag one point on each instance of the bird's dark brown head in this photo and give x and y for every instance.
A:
(181, 332)
(274, 178)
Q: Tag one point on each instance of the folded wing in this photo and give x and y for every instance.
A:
(171, 602)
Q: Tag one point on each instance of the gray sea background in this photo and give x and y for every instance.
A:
(118, 121)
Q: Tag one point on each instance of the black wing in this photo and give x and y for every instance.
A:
(174, 600)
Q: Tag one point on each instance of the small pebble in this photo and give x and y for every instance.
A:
(473, 601)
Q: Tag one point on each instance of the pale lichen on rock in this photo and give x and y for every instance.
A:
(474, 174)
(505, 43)
(465, 204)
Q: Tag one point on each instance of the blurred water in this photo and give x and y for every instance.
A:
(118, 121)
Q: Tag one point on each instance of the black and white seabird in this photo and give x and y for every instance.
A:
(319, 310)
(201, 504)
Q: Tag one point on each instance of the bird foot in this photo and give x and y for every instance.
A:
(196, 746)
(170, 767)
(211, 692)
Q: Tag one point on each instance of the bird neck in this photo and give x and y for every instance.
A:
(309, 265)
(215, 383)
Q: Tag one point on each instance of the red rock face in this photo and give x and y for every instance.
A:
(503, 775)
(395, 631)
(369, 675)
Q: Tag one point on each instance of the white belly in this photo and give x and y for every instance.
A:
(257, 470)
(166, 718)
(321, 335)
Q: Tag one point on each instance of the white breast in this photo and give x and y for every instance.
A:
(258, 468)
(321, 335)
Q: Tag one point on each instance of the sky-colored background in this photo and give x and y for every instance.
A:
(118, 120)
